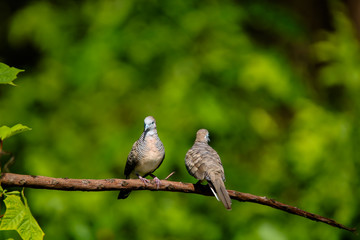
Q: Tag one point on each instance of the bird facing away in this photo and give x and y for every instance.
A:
(203, 163)
(145, 157)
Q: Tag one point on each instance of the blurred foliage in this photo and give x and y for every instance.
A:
(8, 74)
(280, 101)
(6, 132)
(18, 216)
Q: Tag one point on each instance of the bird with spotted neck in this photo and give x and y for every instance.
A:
(203, 163)
(145, 157)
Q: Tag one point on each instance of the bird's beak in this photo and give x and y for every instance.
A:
(146, 127)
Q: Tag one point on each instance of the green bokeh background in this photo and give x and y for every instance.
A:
(280, 99)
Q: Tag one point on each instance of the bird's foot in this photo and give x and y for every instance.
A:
(144, 180)
(157, 182)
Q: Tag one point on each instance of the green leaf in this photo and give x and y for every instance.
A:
(19, 218)
(8, 74)
(6, 131)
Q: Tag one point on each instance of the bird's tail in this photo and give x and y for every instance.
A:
(218, 188)
(124, 194)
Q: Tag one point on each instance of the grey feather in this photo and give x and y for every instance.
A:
(203, 163)
(146, 155)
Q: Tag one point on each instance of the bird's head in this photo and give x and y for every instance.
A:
(149, 123)
(202, 135)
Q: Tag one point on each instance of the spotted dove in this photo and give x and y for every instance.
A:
(145, 157)
(203, 163)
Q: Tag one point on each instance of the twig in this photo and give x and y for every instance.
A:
(8, 164)
(169, 175)
(66, 184)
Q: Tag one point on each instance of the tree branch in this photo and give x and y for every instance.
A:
(66, 184)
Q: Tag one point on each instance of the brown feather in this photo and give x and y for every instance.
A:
(203, 163)
(146, 155)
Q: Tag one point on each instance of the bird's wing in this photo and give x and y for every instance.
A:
(214, 155)
(195, 163)
(214, 162)
(132, 160)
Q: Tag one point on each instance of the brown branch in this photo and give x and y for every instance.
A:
(66, 184)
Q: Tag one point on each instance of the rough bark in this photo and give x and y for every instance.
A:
(67, 184)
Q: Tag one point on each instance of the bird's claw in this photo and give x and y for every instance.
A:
(157, 182)
(144, 180)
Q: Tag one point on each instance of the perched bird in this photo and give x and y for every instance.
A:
(145, 157)
(203, 163)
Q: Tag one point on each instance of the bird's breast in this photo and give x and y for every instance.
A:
(151, 157)
(149, 163)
